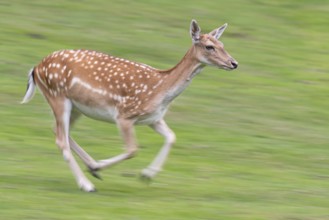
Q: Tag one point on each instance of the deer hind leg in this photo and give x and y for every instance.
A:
(62, 110)
(162, 128)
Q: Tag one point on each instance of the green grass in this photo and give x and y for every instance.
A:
(252, 143)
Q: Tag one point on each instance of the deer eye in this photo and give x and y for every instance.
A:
(209, 47)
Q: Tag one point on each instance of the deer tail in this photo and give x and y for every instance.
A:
(30, 90)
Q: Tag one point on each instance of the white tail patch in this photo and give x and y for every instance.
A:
(30, 88)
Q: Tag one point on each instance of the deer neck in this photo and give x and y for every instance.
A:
(181, 75)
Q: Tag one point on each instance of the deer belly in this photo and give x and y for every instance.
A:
(97, 112)
(153, 117)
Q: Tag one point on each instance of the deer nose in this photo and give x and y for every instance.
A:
(234, 64)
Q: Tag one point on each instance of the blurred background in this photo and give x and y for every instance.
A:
(251, 143)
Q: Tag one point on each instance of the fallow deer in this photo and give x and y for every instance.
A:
(117, 90)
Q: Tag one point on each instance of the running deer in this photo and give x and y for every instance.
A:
(127, 93)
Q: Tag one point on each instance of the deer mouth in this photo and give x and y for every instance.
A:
(233, 65)
(228, 68)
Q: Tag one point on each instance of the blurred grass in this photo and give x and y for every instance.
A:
(252, 144)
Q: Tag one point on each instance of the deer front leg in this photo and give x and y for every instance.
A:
(92, 165)
(126, 128)
(85, 157)
(162, 128)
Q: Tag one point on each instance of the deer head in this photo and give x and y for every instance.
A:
(209, 50)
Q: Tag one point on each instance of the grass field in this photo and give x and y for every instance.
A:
(252, 144)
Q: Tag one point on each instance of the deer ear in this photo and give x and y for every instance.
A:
(218, 32)
(195, 31)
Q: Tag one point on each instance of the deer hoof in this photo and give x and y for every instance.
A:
(87, 186)
(88, 190)
(94, 173)
(148, 174)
